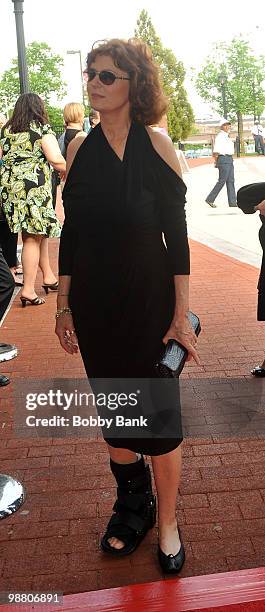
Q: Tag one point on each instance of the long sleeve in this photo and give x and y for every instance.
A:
(172, 200)
(249, 196)
(68, 244)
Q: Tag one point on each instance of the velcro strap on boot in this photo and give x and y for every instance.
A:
(128, 518)
(132, 501)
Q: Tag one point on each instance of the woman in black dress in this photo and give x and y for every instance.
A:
(74, 115)
(124, 291)
(251, 198)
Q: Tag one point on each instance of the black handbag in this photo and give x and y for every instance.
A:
(173, 360)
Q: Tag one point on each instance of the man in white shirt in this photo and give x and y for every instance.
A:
(258, 134)
(223, 154)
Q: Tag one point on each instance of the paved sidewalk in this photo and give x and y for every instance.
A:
(52, 543)
(225, 229)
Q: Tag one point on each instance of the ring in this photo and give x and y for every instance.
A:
(68, 333)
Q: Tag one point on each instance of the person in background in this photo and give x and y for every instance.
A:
(73, 120)
(258, 134)
(28, 148)
(86, 125)
(94, 118)
(251, 198)
(7, 284)
(8, 240)
(8, 247)
(223, 155)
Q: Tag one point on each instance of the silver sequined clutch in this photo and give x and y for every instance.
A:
(175, 355)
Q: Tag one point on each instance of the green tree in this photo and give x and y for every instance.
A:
(180, 115)
(232, 81)
(55, 116)
(195, 130)
(44, 69)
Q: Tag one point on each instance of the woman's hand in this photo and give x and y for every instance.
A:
(182, 331)
(261, 207)
(64, 329)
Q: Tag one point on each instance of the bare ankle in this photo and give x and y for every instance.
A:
(167, 523)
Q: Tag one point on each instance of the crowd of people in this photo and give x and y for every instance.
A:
(31, 162)
(123, 288)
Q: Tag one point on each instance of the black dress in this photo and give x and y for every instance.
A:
(248, 197)
(122, 288)
(70, 133)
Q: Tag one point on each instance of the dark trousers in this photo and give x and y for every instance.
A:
(259, 144)
(8, 243)
(7, 285)
(225, 166)
(261, 283)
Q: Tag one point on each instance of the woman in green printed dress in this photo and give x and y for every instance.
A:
(28, 149)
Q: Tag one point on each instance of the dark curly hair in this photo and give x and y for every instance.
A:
(29, 107)
(147, 100)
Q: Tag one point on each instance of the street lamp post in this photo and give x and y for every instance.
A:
(74, 52)
(22, 62)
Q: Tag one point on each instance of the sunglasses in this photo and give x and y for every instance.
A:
(105, 76)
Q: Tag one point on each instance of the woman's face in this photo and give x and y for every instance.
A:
(108, 98)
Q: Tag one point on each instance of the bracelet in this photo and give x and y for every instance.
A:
(62, 311)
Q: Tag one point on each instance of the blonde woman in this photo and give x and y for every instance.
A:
(74, 115)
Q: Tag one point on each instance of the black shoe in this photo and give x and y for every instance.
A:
(34, 302)
(52, 287)
(258, 372)
(171, 564)
(7, 351)
(4, 380)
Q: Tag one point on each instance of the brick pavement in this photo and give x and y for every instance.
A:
(200, 161)
(53, 541)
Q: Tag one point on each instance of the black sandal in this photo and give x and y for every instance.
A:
(134, 509)
(52, 287)
(34, 302)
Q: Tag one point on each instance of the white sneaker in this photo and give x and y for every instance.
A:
(7, 352)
